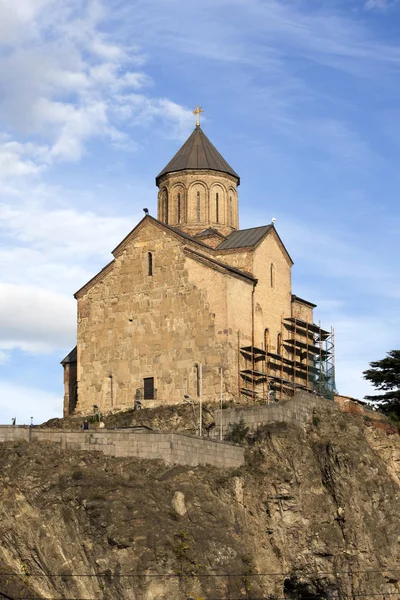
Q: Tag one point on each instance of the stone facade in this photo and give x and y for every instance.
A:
(133, 326)
(194, 200)
(180, 300)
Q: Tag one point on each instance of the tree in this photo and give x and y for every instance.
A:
(385, 376)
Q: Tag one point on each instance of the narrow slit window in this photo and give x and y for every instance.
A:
(279, 343)
(272, 275)
(230, 211)
(198, 207)
(216, 208)
(266, 339)
(179, 208)
(165, 206)
(150, 264)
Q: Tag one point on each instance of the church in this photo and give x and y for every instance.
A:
(191, 305)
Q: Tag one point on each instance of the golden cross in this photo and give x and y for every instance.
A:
(197, 112)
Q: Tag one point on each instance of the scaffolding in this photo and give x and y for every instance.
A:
(304, 360)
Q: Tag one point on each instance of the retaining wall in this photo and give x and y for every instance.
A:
(173, 448)
(298, 411)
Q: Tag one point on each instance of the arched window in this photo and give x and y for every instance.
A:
(266, 339)
(179, 209)
(198, 207)
(216, 208)
(272, 275)
(165, 205)
(279, 343)
(149, 264)
(230, 211)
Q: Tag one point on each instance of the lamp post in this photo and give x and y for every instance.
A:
(220, 424)
(199, 368)
(201, 399)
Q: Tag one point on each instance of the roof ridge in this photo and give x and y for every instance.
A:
(198, 153)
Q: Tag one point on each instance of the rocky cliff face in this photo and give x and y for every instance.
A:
(313, 515)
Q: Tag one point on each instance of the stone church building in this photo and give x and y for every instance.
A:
(191, 304)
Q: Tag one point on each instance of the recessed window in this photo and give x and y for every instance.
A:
(272, 275)
(165, 205)
(198, 207)
(149, 264)
(148, 388)
(230, 211)
(179, 209)
(216, 208)
(266, 339)
(279, 343)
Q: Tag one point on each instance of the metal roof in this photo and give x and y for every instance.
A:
(198, 153)
(209, 231)
(245, 237)
(70, 358)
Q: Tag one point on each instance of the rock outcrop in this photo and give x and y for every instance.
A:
(312, 515)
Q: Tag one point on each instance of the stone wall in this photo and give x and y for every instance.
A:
(302, 310)
(172, 448)
(271, 266)
(297, 411)
(182, 187)
(132, 325)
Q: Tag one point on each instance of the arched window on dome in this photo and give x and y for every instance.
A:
(179, 208)
(230, 211)
(216, 208)
(165, 205)
(198, 207)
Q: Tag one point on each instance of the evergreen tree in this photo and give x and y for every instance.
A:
(385, 376)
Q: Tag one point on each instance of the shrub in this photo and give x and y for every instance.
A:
(237, 432)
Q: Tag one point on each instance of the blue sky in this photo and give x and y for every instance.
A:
(301, 97)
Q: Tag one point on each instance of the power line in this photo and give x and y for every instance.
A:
(173, 575)
(374, 595)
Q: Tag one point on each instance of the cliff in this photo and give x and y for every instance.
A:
(312, 515)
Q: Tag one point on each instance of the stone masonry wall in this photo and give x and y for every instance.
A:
(273, 295)
(298, 411)
(207, 183)
(132, 326)
(172, 448)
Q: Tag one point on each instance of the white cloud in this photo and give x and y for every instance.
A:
(24, 402)
(64, 234)
(4, 357)
(326, 36)
(35, 320)
(61, 83)
(379, 4)
(17, 159)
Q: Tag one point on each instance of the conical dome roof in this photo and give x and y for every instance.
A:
(198, 153)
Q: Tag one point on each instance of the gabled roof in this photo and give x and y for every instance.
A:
(222, 266)
(182, 234)
(244, 238)
(198, 153)
(302, 301)
(209, 231)
(70, 358)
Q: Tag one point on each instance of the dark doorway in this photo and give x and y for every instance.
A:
(148, 388)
